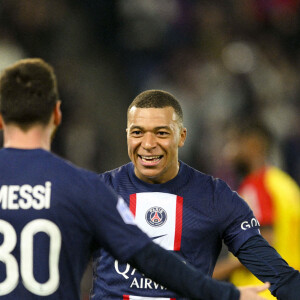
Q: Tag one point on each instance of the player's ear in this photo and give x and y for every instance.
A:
(57, 113)
(182, 137)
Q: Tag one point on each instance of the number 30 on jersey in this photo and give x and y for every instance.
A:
(26, 257)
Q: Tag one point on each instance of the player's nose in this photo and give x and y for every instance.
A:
(149, 141)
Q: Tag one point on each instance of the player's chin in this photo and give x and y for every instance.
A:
(150, 169)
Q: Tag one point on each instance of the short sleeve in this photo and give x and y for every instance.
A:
(236, 220)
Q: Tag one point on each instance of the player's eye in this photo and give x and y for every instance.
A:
(136, 132)
(162, 133)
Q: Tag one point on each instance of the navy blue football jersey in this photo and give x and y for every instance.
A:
(53, 215)
(191, 215)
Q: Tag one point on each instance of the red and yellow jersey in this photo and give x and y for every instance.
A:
(275, 200)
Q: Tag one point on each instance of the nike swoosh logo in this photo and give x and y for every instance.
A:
(157, 237)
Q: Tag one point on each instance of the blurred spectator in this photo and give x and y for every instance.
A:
(272, 194)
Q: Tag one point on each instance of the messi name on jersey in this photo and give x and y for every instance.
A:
(25, 196)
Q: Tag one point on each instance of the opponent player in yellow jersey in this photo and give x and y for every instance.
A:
(271, 193)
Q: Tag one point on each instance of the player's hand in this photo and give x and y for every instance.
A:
(251, 292)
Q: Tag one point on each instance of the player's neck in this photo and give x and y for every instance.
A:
(35, 137)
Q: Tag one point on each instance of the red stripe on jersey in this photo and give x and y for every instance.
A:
(126, 297)
(132, 203)
(178, 225)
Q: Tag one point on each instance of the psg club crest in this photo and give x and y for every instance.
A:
(156, 216)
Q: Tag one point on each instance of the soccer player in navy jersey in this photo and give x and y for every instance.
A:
(181, 209)
(54, 214)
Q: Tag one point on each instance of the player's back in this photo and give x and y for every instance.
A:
(45, 232)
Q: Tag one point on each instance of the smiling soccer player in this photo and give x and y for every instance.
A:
(181, 209)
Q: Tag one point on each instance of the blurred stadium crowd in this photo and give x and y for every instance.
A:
(222, 59)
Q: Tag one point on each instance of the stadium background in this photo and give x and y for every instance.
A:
(223, 60)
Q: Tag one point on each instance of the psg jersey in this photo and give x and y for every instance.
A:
(191, 214)
(53, 215)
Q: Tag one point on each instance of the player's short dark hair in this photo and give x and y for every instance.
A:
(157, 99)
(28, 93)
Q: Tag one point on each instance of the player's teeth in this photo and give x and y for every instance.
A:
(150, 158)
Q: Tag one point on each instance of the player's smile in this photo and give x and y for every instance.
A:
(153, 137)
(149, 161)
